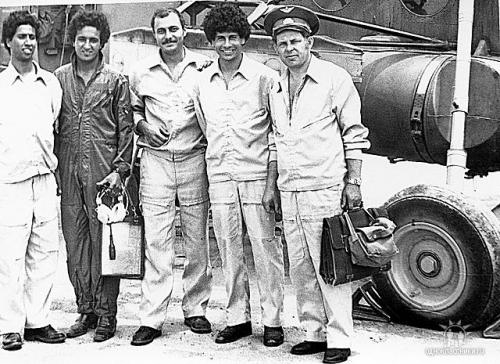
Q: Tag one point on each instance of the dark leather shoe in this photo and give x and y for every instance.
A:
(336, 355)
(273, 336)
(308, 347)
(45, 334)
(12, 341)
(145, 335)
(105, 330)
(233, 333)
(82, 324)
(198, 324)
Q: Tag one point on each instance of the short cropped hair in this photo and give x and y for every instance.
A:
(163, 13)
(226, 18)
(90, 18)
(14, 20)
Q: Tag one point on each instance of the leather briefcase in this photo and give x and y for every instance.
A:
(336, 265)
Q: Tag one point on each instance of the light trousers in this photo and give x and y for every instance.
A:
(29, 241)
(322, 308)
(162, 179)
(235, 204)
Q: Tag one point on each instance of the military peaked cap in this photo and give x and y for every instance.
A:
(291, 17)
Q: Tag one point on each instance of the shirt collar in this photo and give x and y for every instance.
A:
(156, 60)
(12, 74)
(245, 69)
(314, 71)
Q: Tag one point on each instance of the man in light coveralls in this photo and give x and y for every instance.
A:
(319, 137)
(172, 166)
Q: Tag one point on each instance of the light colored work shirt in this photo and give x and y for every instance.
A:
(236, 121)
(320, 130)
(160, 97)
(29, 107)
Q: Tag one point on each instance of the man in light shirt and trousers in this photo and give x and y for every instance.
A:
(232, 101)
(319, 137)
(30, 99)
(172, 166)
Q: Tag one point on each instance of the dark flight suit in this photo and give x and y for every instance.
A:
(95, 138)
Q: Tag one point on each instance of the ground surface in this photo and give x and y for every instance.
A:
(373, 342)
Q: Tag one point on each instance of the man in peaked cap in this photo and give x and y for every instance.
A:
(316, 119)
(291, 18)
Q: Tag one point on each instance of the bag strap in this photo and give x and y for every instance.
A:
(134, 157)
(350, 226)
(370, 214)
(127, 180)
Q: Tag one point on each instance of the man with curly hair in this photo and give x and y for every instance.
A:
(94, 146)
(172, 168)
(232, 102)
(30, 100)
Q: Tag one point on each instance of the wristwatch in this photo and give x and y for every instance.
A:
(353, 181)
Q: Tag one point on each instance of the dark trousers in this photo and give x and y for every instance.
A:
(81, 231)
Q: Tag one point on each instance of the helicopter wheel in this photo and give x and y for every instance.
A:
(446, 271)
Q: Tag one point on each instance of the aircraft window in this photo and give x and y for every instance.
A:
(424, 7)
(329, 5)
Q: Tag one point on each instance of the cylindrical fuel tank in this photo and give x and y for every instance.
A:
(407, 101)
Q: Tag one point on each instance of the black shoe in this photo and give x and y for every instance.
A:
(106, 327)
(45, 334)
(308, 347)
(82, 324)
(198, 324)
(273, 336)
(145, 335)
(233, 333)
(12, 341)
(336, 355)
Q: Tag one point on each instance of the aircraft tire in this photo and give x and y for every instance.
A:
(446, 272)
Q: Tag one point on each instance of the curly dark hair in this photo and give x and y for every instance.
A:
(14, 20)
(226, 18)
(163, 13)
(89, 18)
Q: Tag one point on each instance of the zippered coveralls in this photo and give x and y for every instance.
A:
(95, 138)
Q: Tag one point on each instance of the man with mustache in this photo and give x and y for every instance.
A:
(94, 146)
(232, 100)
(30, 99)
(172, 168)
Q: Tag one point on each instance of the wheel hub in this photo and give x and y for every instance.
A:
(429, 272)
(429, 264)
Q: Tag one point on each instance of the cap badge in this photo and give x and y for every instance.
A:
(287, 9)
